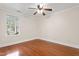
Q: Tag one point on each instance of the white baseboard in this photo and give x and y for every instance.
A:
(73, 45)
(12, 43)
(17, 42)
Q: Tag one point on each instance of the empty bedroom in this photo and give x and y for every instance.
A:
(39, 29)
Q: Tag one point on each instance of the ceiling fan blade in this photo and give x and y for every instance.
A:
(31, 8)
(48, 9)
(35, 13)
(43, 14)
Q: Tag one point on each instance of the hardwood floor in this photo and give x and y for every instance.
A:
(39, 47)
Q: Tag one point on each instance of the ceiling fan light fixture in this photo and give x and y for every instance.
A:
(40, 11)
(41, 8)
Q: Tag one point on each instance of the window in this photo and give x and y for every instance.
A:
(12, 25)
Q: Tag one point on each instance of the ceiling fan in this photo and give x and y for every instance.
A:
(40, 9)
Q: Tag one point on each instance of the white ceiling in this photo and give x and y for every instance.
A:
(23, 7)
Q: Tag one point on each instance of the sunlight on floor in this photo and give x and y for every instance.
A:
(16, 53)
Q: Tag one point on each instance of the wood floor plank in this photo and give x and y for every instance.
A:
(39, 47)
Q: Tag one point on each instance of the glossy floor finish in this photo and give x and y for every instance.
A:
(39, 47)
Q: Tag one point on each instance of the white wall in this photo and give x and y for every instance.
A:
(62, 27)
(27, 28)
